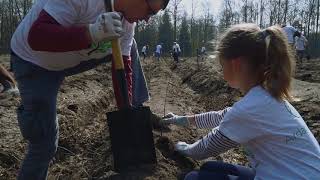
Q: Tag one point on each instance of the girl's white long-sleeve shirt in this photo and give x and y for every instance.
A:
(277, 141)
(214, 142)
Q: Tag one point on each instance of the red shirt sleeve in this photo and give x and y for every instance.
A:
(46, 34)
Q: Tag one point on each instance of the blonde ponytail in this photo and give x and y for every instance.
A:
(279, 65)
(267, 52)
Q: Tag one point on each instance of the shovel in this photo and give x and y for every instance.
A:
(130, 128)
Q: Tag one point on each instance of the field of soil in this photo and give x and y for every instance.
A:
(84, 150)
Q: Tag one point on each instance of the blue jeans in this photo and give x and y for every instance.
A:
(221, 171)
(37, 113)
(158, 55)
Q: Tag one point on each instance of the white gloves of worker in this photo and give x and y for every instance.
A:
(101, 45)
(184, 148)
(171, 118)
(108, 26)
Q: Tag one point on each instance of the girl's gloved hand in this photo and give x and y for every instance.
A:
(171, 118)
(183, 147)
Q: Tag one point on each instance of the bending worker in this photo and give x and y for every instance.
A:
(59, 38)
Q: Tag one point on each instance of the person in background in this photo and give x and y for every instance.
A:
(176, 52)
(60, 38)
(290, 33)
(8, 83)
(276, 139)
(203, 52)
(144, 51)
(300, 45)
(158, 51)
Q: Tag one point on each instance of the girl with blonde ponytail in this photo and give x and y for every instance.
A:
(277, 141)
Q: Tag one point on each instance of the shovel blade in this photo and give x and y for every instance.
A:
(131, 136)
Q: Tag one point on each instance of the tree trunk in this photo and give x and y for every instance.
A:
(175, 17)
(1, 24)
(246, 11)
(317, 27)
(18, 10)
(279, 12)
(310, 16)
(24, 7)
(285, 11)
(261, 13)
(191, 26)
(175, 23)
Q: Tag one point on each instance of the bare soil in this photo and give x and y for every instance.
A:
(84, 146)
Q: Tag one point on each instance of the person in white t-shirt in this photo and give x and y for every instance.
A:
(158, 51)
(203, 52)
(276, 139)
(176, 51)
(59, 38)
(290, 32)
(300, 45)
(144, 51)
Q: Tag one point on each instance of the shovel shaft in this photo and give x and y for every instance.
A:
(116, 49)
(109, 5)
(117, 55)
(122, 82)
(118, 61)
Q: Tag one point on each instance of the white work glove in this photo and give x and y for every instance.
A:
(183, 148)
(171, 118)
(107, 27)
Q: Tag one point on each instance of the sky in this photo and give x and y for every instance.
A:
(214, 5)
